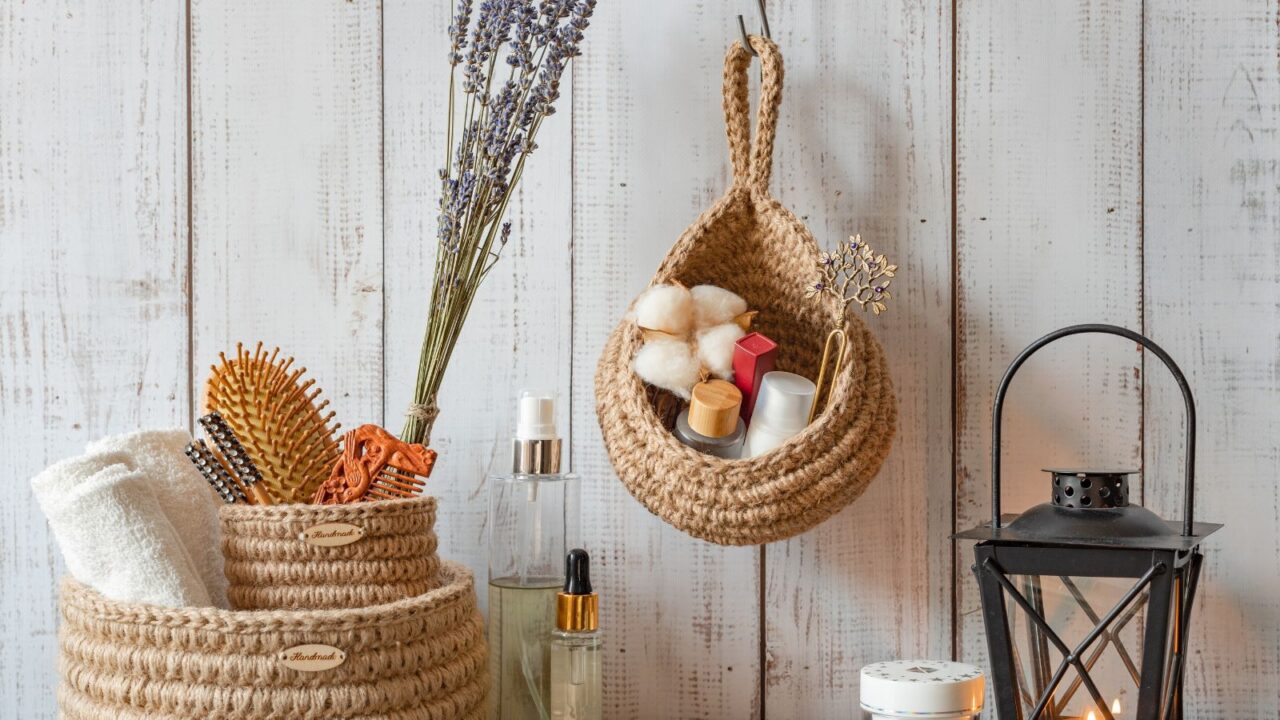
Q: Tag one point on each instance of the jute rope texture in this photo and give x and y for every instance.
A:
(749, 243)
(269, 568)
(423, 658)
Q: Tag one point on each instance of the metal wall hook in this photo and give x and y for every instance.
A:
(764, 26)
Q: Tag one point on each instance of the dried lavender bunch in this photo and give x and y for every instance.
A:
(506, 63)
(856, 274)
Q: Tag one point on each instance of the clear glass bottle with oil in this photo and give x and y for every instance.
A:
(533, 516)
(575, 645)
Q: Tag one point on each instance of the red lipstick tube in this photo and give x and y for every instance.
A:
(753, 356)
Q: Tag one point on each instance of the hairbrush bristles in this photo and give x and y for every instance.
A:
(278, 417)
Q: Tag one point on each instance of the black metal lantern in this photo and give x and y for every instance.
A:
(1086, 599)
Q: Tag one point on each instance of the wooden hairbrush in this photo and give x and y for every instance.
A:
(277, 415)
(376, 465)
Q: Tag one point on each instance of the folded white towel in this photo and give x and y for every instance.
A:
(113, 534)
(185, 498)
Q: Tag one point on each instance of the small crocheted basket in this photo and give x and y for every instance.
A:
(749, 243)
(423, 658)
(300, 556)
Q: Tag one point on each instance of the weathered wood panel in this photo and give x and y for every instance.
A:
(1084, 171)
(1212, 157)
(93, 258)
(865, 147)
(518, 335)
(681, 617)
(287, 190)
(1048, 222)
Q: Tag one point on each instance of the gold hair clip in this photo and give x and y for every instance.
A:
(822, 388)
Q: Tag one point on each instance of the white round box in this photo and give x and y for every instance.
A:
(922, 689)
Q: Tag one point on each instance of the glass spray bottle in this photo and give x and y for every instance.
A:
(575, 645)
(533, 512)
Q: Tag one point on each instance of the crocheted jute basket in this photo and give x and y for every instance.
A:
(420, 658)
(749, 243)
(272, 565)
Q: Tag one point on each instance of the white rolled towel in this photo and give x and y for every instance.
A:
(113, 534)
(185, 498)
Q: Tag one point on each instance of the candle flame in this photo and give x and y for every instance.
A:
(1092, 715)
(1115, 706)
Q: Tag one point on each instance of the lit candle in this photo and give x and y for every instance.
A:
(1115, 711)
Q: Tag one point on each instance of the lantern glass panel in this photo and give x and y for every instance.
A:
(1072, 607)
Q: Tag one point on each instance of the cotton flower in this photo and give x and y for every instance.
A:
(715, 348)
(668, 364)
(688, 334)
(668, 308)
(715, 306)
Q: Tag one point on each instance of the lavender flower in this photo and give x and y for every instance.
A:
(493, 24)
(458, 31)
(526, 28)
(511, 56)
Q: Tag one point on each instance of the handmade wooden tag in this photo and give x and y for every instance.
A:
(312, 658)
(332, 534)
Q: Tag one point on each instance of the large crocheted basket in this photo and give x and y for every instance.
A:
(749, 243)
(422, 658)
(300, 556)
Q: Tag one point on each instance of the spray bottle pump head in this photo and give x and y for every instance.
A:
(535, 450)
(536, 416)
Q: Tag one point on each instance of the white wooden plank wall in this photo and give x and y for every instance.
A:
(286, 191)
(175, 178)
(93, 246)
(1212, 248)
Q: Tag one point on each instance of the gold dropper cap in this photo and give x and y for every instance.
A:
(577, 613)
(713, 408)
(577, 607)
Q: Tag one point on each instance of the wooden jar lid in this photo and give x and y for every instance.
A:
(713, 408)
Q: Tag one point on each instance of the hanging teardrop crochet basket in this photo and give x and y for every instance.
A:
(749, 243)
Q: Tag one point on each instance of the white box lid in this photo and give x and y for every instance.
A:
(922, 688)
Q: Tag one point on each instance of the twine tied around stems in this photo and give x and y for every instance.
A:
(426, 412)
(421, 418)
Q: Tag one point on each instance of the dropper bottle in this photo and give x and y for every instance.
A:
(575, 645)
(533, 516)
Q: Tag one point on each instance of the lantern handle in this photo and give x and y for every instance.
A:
(1188, 503)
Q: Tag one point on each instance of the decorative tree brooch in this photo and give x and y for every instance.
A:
(854, 273)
